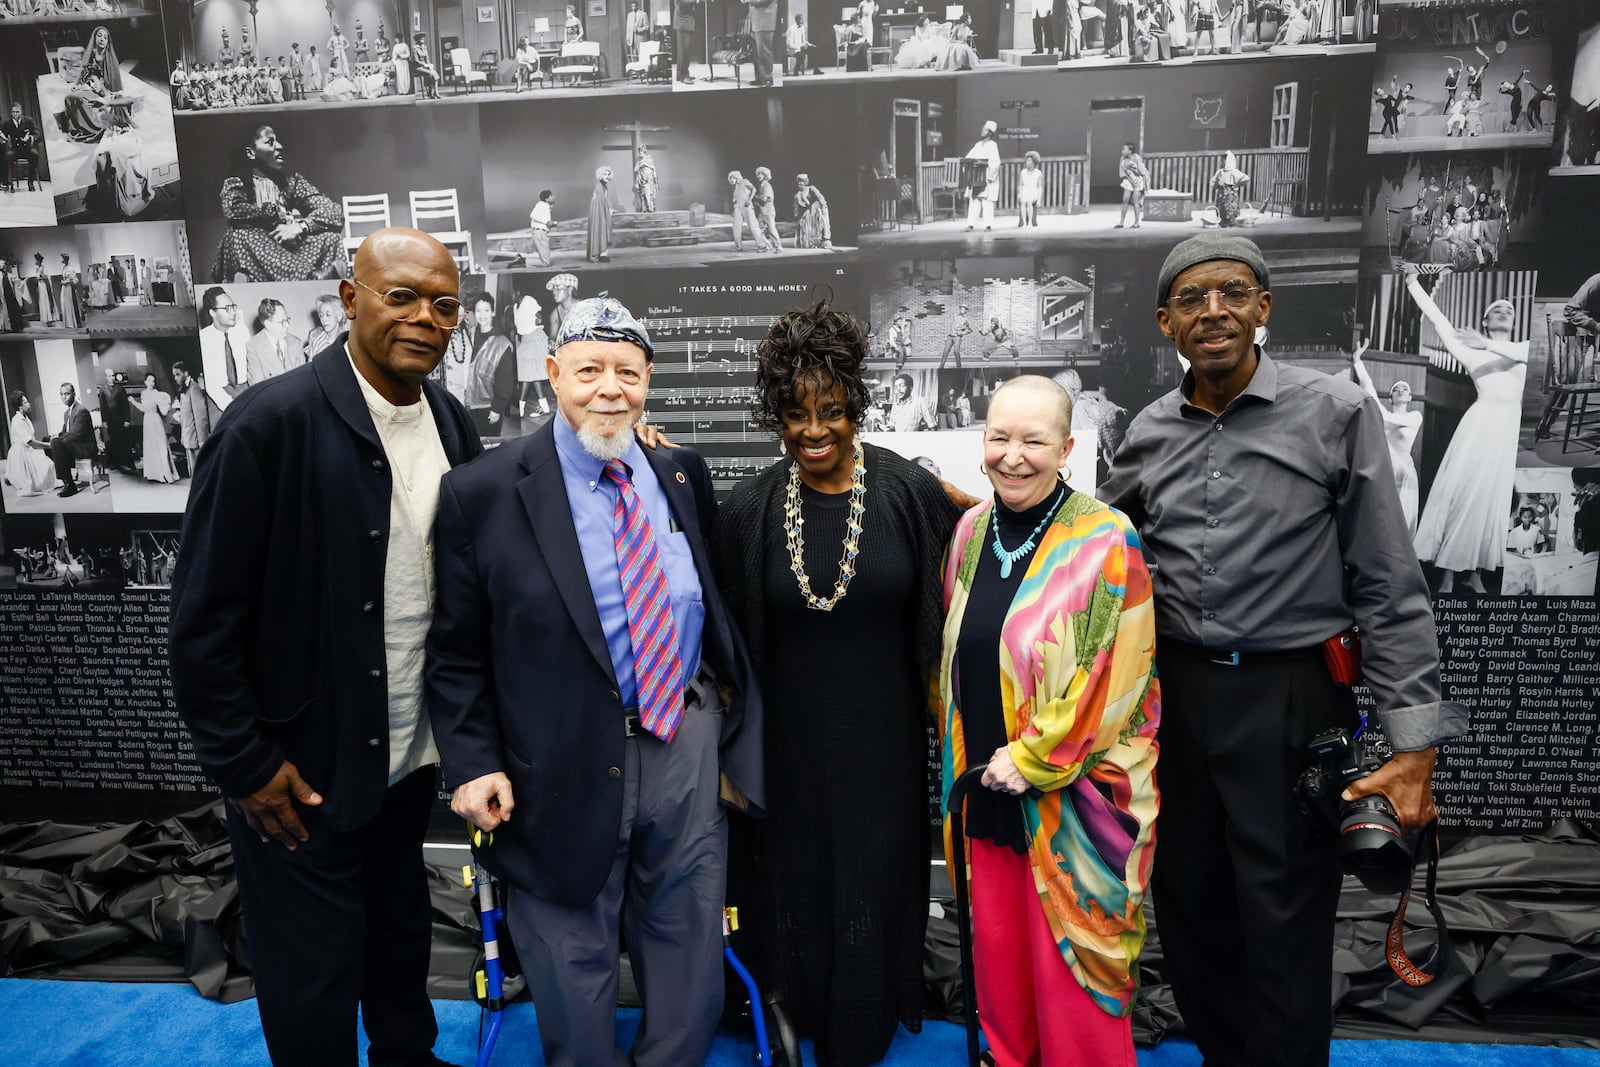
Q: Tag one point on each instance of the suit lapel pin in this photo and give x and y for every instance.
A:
(681, 478)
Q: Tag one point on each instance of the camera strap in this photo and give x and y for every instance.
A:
(1394, 944)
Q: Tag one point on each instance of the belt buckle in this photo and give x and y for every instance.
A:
(630, 726)
(1230, 660)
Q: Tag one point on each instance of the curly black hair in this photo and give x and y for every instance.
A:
(810, 346)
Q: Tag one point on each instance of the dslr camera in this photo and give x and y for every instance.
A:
(1370, 843)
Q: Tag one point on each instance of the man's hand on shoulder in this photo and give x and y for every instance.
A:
(485, 802)
(959, 497)
(1407, 782)
(270, 809)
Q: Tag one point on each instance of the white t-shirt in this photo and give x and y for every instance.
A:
(417, 464)
(1523, 542)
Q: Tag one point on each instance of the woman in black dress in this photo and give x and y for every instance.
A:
(829, 559)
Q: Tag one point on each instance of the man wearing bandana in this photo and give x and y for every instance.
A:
(578, 556)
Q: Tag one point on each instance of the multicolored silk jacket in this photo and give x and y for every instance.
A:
(1081, 701)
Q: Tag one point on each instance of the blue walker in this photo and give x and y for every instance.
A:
(780, 1048)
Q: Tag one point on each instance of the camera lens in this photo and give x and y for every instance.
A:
(1371, 846)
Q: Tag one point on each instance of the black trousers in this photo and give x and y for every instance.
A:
(1044, 32)
(1245, 892)
(687, 51)
(342, 920)
(13, 156)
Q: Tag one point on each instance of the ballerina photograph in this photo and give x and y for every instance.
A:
(1461, 533)
(1400, 428)
(108, 133)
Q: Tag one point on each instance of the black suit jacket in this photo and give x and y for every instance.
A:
(277, 597)
(114, 409)
(16, 133)
(519, 676)
(77, 434)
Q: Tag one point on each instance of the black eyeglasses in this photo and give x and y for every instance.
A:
(1193, 301)
(406, 302)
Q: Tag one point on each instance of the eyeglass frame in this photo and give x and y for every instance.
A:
(433, 307)
(1205, 297)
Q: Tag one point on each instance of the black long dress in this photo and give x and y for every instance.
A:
(839, 867)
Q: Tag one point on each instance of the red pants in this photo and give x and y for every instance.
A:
(1034, 1012)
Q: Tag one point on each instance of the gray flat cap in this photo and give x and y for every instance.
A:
(1205, 247)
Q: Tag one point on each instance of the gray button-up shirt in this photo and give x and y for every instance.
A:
(1276, 525)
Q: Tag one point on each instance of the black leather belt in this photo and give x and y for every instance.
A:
(1237, 658)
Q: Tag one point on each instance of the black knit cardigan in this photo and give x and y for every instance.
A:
(925, 516)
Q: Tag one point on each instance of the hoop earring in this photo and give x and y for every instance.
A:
(1066, 473)
(983, 470)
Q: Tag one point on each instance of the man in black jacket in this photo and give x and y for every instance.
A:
(20, 142)
(115, 415)
(74, 442)
(584, 671)
(300, 603)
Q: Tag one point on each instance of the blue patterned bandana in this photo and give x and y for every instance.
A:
(604, 319)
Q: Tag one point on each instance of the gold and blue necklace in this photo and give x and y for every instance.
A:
(1008, 558)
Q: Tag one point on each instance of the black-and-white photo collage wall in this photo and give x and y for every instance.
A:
(991, 186)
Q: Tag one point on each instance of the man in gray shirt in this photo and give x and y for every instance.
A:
(1583, 310)
(1265, 500)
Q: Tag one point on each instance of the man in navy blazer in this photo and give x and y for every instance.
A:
(300, 607)
(597, 720)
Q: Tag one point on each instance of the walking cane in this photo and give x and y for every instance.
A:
(963, 785)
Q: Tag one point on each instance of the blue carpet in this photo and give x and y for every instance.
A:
(96, 1024)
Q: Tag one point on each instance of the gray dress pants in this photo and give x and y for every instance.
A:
(665, 891)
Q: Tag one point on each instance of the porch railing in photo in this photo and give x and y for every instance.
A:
(1277, 175)
(1066, 185)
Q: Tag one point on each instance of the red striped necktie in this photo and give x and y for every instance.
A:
(657, 666)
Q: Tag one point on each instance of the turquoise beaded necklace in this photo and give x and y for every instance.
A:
(1008, 558)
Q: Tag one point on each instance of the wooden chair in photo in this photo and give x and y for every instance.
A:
(644, 67)
(364, 215)
(461, 72)
(882, 51)
(489, 65)
(946, 194)
(68, 58)
(438, 212)
(733, 50)
(95, 467)
(1572, 357)
(841, 45)
(579, 60)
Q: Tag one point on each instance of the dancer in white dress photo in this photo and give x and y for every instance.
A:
(1400, 427)
(1462, 529)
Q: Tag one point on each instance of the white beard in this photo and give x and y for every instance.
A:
(604, 447)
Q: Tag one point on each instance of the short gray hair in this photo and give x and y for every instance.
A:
(1054, 390)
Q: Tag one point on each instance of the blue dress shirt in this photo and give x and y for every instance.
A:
(592, 497)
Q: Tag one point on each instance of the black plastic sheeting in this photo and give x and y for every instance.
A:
(155, 901)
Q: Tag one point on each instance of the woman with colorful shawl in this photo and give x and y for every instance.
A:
(1048, 675)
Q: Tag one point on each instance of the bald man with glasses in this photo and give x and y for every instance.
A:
(301, 602)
